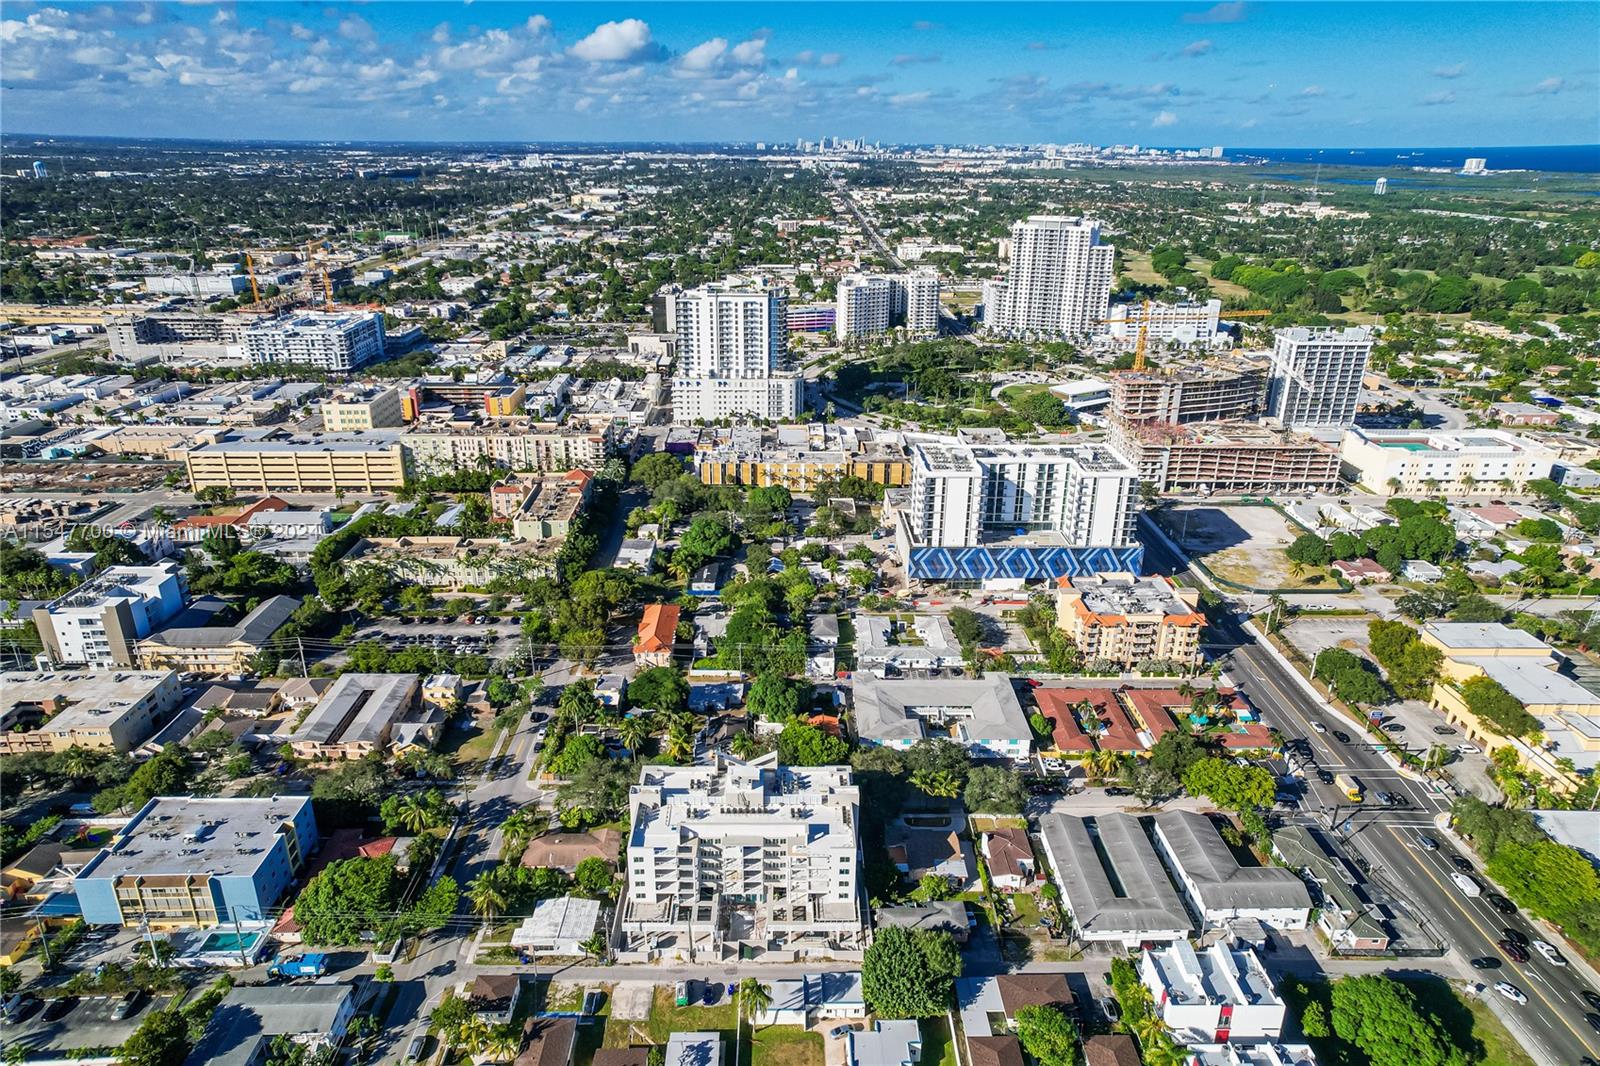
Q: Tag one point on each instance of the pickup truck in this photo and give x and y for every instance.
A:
(309, 965)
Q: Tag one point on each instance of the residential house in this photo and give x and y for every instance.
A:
(1219, 994)
(948, 915)
(547, 1042)
(887, 1043)
(558, 927)
(564, 851)
(494, 996)
(658, 631)
(1217, 887)
(1009, 854)
(805, 999)
(241, 1029)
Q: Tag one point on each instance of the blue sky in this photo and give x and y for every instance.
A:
(1282, 74)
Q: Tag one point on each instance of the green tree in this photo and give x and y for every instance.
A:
(660, 688)
(776, 698)
(657, 469)
(1229, 785)
(1380, 1016)
(348, 898)
(435, 905)
(910, 974)
(995, 790)
(486, 895)
(1047, 1035)
(594, 876)
(800, 744)
(1496, 708)
(162, 1039)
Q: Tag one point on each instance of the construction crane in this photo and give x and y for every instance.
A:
(250, 269)
(314, 263)
(1144, 319)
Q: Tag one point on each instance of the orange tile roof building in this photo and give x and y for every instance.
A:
(658, 629)
(1129, 620)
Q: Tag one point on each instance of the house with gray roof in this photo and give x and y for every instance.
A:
(981, 714)
(1349, 920)
(1219, 889)
(1112, 881)
(249, 1016)
(889, 1043)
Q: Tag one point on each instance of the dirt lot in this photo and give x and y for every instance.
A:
(57, 476)
(1311, 634)
(1241, 544)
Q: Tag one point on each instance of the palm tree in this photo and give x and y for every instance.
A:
(1149, 1029)
(519, 828)
(502, 1042)
(485, 895)
(1468, 483)
(1165, 1052)
(1297, 569)
(1395, 485)
(753, 1001)
(77, 763)
(1104, 763)
(413, 814)
(472, 1034)
(633, 732)
(939, 783)
(679, 746)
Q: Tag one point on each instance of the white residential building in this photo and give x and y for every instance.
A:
(1316, 376)
(963, 494)
(1413, 463)
(865, 306)
(732, 340)
(1184, 325)
(1215, 996)
(735, 854)
(981, 714)
(1220, 890)
(1059, 282)
(100, 622)
(337, 341)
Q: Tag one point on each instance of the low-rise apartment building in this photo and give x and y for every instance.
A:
(736, 855)
(1112, 882)
(370, 462)
(798, 457)
(1413, 463)
(983, 715)
(100, 709)
(361, 408)
(365, 714)
(216, 649)
(1129, 620)
(185, 862)
(1219, 995)
(1221, 891)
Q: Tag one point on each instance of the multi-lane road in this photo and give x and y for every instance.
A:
(1552, 1023)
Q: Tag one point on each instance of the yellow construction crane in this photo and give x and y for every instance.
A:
(315, 262)
(1144, 319)
(250, 269)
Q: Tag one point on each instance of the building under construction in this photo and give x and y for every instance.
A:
(1215, 390)
(1226, 456)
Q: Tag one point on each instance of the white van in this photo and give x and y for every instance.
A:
(1469, 886)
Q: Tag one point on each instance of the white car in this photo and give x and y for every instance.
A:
(1511, 991)
(1548, 950)
(1318, 727)
(1466, 749)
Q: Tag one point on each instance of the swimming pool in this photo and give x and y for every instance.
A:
(229, 942)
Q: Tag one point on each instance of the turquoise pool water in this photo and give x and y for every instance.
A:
(1408, 446)
(222, 941)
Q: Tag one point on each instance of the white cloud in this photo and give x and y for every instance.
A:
(355, 28)
(1440, 98)
(617, 42)
(704, 55)
(751, 53)
(1547, 87)
(1198, 48)
(1164, 119)
(1454, 70)
(1313, 90)
(910, 99)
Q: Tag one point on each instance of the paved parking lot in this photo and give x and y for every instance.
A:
(87, 1025)
(1311, 634)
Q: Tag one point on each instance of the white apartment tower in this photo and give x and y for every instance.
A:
(1316, 376)
(963, 495)
(738, 854)
(1059, 282)
(870, 304)
(328, 340)
(732, 339)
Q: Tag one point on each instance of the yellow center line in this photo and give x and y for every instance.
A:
(1527, 976)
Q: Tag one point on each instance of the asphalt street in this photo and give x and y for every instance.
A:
(1552, 1021)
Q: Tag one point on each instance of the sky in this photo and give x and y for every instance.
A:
(1279, 74)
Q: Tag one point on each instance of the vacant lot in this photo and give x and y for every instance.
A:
(1242, 544)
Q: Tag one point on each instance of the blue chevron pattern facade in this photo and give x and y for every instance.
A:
(981, 564)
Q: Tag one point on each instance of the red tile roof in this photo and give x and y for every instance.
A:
(658, 629)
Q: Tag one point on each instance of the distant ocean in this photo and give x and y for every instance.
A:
(1556, 158)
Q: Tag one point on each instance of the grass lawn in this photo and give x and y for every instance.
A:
(937, 1047)
(983, 823)
(468, 745)
(785, 1045)
(1469, 1022)
(666, 1018)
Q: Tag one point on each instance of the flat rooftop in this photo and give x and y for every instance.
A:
(1124, 594)
(1533, 681)
(88, 696)
(983, 708)
(117, 582)
(1469, 636)
(1215, 976)
(178, 835)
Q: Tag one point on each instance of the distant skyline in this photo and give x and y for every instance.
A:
(1265, 75)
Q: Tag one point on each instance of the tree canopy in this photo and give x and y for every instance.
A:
(1380, 1016)
(910, 973)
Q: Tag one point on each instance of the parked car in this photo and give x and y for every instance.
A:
(1466, 749)
(16, 1006)
(59, 1008)
(418, 1047)
(1111, 1009)
(1118, 790)
(1444, 731)
(1461, 864)
(841, 1030)
(125, 1006)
